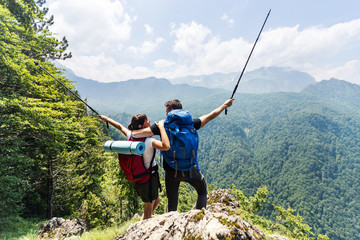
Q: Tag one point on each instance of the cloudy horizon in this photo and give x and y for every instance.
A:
(117, 40)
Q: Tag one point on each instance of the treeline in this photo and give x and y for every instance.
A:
(51, 158)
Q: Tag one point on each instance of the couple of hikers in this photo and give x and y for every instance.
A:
(177, 123)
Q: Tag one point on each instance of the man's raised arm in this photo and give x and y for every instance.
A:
(140, 133)
(208, 117)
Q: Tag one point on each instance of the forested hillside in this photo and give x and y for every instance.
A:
(305, 147)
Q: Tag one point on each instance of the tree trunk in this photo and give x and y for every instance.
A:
(50, 191)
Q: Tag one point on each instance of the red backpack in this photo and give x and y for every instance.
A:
(133, 165)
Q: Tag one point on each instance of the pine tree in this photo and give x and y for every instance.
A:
(51, 156)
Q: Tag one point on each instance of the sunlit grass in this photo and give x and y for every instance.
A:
(21, 229)
(27, 229)
(107, 234)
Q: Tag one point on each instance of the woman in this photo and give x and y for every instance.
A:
(140, 121)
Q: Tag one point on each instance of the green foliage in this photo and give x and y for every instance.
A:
(187, 197)
(162, 207)
(322, 237)
(294, 223)
(303, 146)
(286, 223)
(18, 228)
(92, 212)
(253, 203)
(257, 201)
(240, 197)
(51, 157)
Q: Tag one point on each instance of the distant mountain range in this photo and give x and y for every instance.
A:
(263, 80)
(134, 95)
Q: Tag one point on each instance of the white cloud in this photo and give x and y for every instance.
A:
(149, 29)
(348, 72)
(105, 69)
(163, 64)
(316, 50)
(91, 26)
(190, 40)
(229, 21)
(146, 47)
(200, 52)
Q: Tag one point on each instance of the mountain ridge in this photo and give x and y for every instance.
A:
(262, 80)
(127, 96)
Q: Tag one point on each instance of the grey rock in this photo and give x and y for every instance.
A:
(218, 221)
(59, 228)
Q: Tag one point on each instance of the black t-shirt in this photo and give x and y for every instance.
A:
(156, 131)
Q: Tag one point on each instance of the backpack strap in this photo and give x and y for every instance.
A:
(151, 169)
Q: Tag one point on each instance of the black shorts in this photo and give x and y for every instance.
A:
(148, 191)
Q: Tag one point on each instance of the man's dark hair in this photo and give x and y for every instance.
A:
(173, 104)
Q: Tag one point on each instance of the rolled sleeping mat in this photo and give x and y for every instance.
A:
(125, 147)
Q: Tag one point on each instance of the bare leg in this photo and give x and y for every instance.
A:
(156, 203)
(148, 208)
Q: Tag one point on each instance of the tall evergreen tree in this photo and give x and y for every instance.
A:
(51, 156)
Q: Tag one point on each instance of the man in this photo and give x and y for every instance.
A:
(172, 176)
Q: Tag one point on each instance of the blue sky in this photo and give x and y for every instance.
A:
(116, 40)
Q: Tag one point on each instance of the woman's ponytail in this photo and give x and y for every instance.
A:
(137, 121)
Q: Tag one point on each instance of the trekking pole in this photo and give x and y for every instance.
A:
(248, 58)
(37, 64)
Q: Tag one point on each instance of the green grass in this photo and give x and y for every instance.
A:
(107, 234)
(19, 228)
(27, 229)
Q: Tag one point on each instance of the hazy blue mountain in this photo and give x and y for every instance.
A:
(134, 96)
(263, 80)
(341, 95)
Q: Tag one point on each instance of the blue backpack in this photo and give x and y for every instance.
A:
(184, 141)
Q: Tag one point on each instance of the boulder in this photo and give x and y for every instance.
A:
(59, 228)
(217, 221)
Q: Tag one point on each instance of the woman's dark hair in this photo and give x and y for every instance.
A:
(137, 121)
(173, 104)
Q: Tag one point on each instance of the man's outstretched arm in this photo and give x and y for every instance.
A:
(208, 117)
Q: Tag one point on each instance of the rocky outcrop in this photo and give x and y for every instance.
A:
(217, 221)
(59, 228)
